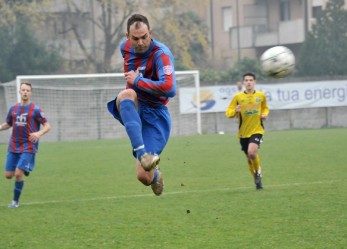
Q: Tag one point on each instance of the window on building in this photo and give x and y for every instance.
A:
(316, 8)
(227, 18)
(285, 10)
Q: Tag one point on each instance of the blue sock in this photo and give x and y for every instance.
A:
(155, 177)
(18, 186)
(133, 125)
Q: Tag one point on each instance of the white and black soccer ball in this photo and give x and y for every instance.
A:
(278, 62)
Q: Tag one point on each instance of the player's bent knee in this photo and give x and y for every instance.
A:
(144, 179)
(127, 94)
(19, 177)
(9, 175)
(252, 155)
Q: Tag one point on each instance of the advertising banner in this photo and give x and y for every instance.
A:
(279, 96)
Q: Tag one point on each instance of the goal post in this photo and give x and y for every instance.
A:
(75, 104)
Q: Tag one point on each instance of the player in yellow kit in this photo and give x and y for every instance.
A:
(251, 109)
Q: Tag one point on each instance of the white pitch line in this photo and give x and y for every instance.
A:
(170, 193)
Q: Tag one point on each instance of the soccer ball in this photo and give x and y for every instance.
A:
(278, 62)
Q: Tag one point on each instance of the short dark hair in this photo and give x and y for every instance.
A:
(137, 18)
(249, 74)
(26, 83)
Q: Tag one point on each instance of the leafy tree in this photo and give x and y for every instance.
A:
(5, 74)
(183, 32)
(324, 50)
(234, 74)
(11, 10)
(246, 65)
(22, 53)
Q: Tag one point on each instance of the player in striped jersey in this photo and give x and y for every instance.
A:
(150, 83)
(25, 118)
(251, 108)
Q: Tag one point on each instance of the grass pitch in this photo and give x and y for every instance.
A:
(85, 195)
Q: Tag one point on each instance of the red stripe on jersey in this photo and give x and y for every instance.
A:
(21, 131)
(168, 78)
(137, 63)
(168, 82)
(149, 66)
(14, 132)
(31, 147)
(127, 56)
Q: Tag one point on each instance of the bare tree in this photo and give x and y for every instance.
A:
(181, 26)
(170, 20)
(109, 16)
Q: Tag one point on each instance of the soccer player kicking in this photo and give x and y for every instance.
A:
(141, 107)
(251, 108)
(25, 119)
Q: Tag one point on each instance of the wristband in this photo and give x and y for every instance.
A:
(0, 127)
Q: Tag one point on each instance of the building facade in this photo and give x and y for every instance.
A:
(246, 28)
(236, 28)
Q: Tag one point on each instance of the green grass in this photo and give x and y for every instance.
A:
(85, 195)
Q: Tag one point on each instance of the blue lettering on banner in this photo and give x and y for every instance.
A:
(279, 96)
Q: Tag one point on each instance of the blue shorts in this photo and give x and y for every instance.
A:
(156, 125)
(24, 161)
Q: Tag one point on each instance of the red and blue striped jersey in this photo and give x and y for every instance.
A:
(24, 121)
(156, 80)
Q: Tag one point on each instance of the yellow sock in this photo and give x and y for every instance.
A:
(256, 163)
(250, 168)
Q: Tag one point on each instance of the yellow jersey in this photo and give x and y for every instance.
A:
(253, 105)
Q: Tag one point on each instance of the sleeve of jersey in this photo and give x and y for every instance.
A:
(264, 108)
(41, 118)
(230, 111)
(9, 118)
(166, 83)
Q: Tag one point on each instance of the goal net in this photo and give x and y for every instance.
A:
(75, 105)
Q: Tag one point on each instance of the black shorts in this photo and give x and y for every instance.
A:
(255, 138)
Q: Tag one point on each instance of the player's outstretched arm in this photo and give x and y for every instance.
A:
(232, 109)
(165, 72)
